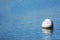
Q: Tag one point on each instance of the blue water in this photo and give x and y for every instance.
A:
(21, 19)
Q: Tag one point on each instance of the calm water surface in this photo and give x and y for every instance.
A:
(21, 20)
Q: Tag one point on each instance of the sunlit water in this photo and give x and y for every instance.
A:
(19, 21)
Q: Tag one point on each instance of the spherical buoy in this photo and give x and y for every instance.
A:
(47, 23)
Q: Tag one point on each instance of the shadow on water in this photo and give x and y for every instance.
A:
(47, 34)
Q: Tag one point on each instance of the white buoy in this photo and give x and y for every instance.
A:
(47, 23)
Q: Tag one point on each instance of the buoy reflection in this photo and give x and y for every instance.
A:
(47, 34)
